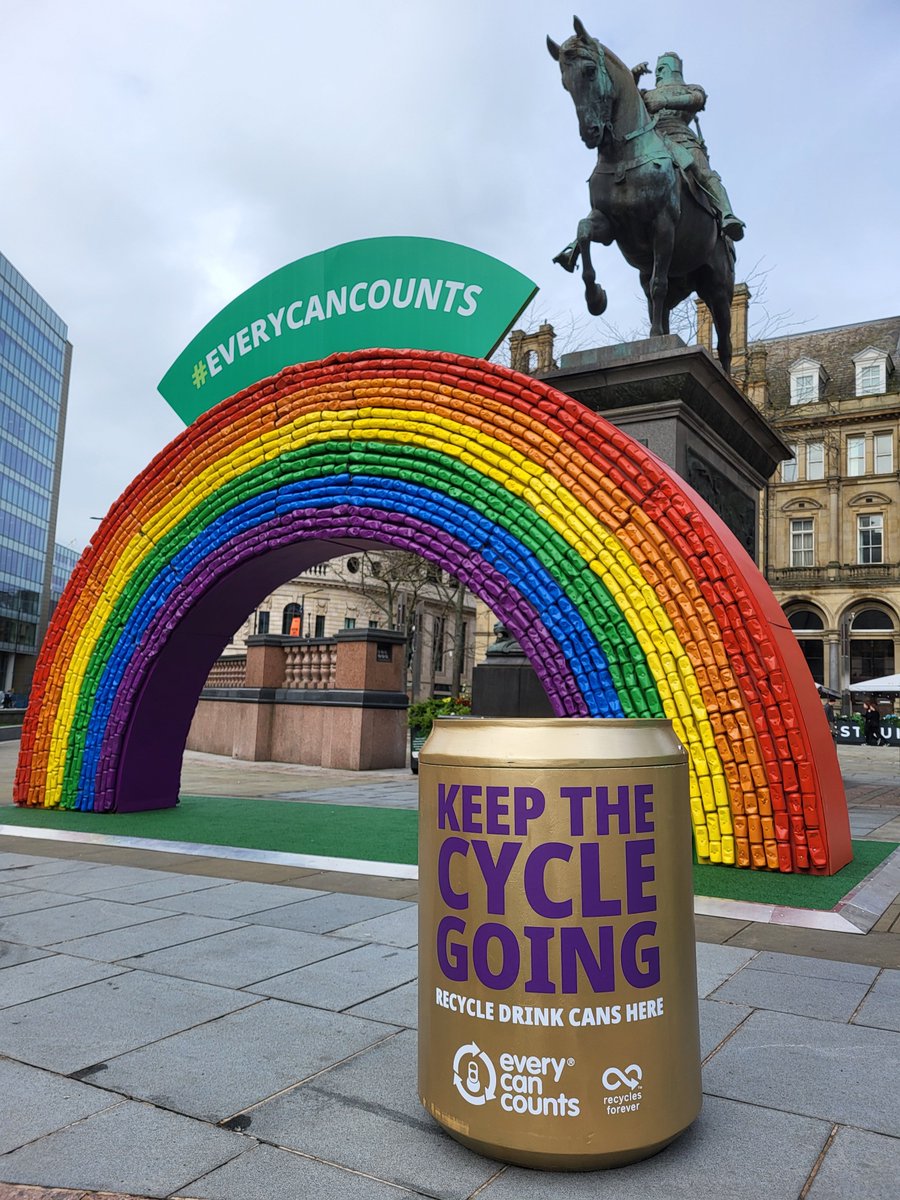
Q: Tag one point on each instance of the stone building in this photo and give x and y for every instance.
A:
(830, 544)
(365, 591)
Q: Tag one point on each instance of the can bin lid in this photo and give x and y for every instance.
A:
(554, 742)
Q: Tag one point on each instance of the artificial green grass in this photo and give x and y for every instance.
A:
(335, 830)
(793, 891)
(390, 835)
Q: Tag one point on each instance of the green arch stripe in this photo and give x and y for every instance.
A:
(414, 464)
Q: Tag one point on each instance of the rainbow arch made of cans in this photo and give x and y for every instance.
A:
(628, 594)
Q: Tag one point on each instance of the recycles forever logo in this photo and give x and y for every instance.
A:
(387, 293)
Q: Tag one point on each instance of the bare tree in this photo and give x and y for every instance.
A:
(403, 587)
(572, 331)
(763, 322)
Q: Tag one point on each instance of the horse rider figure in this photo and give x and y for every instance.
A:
(674, 104)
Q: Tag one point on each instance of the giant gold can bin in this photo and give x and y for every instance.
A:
(558, 1014)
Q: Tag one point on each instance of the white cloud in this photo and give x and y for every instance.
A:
(160, 157)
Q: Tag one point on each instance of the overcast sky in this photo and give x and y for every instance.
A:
(159, 158)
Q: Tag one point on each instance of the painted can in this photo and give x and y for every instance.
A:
(558, 1014)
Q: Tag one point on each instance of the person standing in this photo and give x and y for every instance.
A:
(872, 724)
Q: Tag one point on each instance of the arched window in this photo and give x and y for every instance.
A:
(872, 618)
(803, 618)
(292, 613)
(807, 624)
(871, 644)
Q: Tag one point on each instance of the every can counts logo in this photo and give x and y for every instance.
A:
(528, 1084)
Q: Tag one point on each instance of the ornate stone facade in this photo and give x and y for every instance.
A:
(831, 535)
(343, 594)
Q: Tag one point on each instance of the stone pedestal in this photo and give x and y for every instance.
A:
(676, 400)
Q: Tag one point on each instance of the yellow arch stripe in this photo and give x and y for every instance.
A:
(605, 555)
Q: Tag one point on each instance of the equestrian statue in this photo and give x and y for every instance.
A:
(652, 191)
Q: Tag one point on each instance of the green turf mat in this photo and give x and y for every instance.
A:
(390, 835)
(794, 891)
(338, 830)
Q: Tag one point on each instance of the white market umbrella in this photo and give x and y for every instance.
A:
(885, 683)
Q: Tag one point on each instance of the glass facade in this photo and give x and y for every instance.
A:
(35, 356)
(64, 560)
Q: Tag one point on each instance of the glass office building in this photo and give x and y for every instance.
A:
(35, 358)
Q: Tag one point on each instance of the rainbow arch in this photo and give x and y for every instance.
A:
(628, 594)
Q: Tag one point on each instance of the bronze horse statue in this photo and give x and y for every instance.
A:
(664, 225)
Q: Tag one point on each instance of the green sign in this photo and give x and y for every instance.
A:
(396, 293)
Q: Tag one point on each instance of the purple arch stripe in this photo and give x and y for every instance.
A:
(343, 521)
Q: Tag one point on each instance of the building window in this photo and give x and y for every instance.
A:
(815, 460)
(349, 622)
(856, 456)
(804, 621)
(437, 646)
(871, 620)
(803, 389)
(802, 542)
(871, 371)
(262, 623)
(807, 378)
(884, 453)
(870, 380)
(320, 626)
(292, 620)
(870, 529)
(789, 467)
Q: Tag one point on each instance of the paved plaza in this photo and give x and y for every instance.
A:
(178, 1025)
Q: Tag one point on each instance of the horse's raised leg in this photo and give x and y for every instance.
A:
(593, 228)
(657, 288)
(715, 287)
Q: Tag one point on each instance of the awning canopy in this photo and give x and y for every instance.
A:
(884, 683)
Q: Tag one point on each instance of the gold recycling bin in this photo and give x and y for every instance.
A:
(558, 1015)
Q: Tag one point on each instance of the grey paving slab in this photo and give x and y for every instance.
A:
(398, 928)
(398, 1007)
(858, 1166)
(10, 861)
(52, 927)
(831, 1000)
(73, 1030)
(235, 899)
(325, 913)
(717, 963)
(337, 983)
(46, 976)
(34, 1103)
(136, 940)
(242, 956)
(881, 1007)
(717, 1021)
(224, 1066)
(12, 953)
(813, 968)
(10, 889)
(132, 1148)
(23, 900)
(732, 1151)
(846, 1074)
(266, 1173)
(89, 881)
(365, 1115)
(165, 883)
(40, 868)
